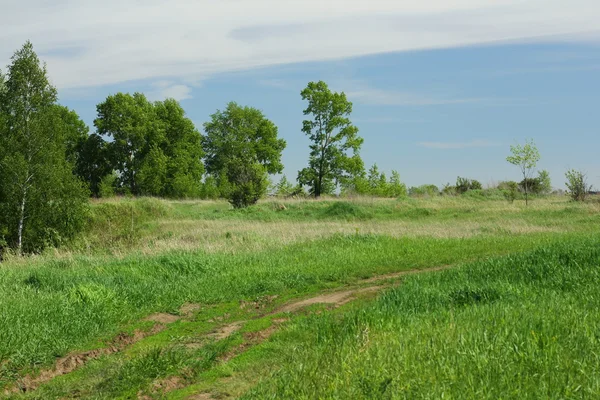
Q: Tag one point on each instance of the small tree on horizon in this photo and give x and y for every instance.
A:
(526, 158)
(577, 185)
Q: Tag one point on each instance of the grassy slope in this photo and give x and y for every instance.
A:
(524, 326)
(59, 302)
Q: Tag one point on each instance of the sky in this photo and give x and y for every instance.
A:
(441, 88)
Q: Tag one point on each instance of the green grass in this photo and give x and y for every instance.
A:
(51, 308)
(522, 326)
(142, 256)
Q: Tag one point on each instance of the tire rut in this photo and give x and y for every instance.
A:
(74, 361)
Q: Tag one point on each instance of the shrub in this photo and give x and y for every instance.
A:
(106, 188)
(510, 190)
(463, 185)
(577, 185)
(424, 190)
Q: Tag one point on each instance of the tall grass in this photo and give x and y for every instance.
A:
(524, 326)
(50, 308)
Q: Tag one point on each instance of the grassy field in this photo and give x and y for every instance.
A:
(514, 317)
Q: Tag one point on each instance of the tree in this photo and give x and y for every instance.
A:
(41, 201)
(183, 150)
(284, 187)
(526, 158)
(396, 187)
(577, 185)
(130, 120)
(93, 165)
(424, 190)
(463, 185)
(156, 149)
(334, 140)
(544, 182)
(242, 148)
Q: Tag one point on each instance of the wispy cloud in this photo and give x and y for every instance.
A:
(90, 43)
(169, 90)
(395, 98)
(458, 145)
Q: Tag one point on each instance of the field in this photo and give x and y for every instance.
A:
(448, 297)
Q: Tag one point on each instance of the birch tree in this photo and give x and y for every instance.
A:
(41, 201)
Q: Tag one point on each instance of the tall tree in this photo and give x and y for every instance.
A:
(397, 188)
(334, 140)
(242, 147)
(156, 149)
(41, 201)
(526, 158)
(92, 162)
(183, 149)
(130, 120)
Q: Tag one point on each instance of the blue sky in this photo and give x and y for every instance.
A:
(439, 90)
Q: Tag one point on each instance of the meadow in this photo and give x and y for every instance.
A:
(176, 299)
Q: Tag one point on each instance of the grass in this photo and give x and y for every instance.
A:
(523, 326)
(120, 227)
(142, 256)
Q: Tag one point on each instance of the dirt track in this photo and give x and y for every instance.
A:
(73, 361)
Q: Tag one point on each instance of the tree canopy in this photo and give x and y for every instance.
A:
(155, 148)
(242, 147)
(41, 201)
(335, 143)
(526, 158)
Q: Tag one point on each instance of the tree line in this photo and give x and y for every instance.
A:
(50, 163)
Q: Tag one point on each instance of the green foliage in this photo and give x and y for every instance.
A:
(248, 183)
(510, 189)
(577, 185)
(41, 202)
(334, 140)
(424, 191)
(463, 185)
(395, 187)
(526, 158)
(541, 185)
(544, 182)
(106, 187)
(209, 189)
(93, 163)
(242, 148)
(183, 152)
(156, 149)
(284, 188)
(374, 184)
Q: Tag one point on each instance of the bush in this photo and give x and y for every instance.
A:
(577, 185)
(510, 190)
(106, 188)
(424, 190)
(463, 185)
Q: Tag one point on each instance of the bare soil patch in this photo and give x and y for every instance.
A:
(163, 318)
(71, 362)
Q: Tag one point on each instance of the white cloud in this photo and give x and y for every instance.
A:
(458, 145)
(90, 43)
(169, 90)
